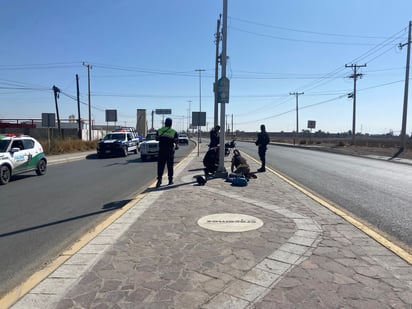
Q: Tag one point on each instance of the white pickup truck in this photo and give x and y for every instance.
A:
(149, 147)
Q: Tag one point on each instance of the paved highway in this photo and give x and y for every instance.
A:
(376, 191)
(40, 217)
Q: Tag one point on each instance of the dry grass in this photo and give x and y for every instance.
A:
(58, 146)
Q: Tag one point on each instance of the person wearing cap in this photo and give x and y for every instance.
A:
(214, 137)
(168, 142)
(262, 142)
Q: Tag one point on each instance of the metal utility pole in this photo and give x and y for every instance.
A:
(233, 134)
(90, 107)
(56, 91)
(78, 108)
(223, 58)
(355, 76)
(200, 103)
(216, 110)
(297, 94)
(405, 96)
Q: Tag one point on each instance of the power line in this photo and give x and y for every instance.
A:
(306, 31)
(43, 66)
(300, 40)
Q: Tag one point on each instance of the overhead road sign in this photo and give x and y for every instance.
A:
(163, 111)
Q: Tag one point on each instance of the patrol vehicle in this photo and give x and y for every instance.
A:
(20, 154)
(117, 143)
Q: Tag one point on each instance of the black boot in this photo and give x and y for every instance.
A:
(158, 183)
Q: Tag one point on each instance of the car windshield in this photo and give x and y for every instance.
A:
(114, 136)
(4, 144)
(151, 137)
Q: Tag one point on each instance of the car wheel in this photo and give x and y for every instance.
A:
(5, 174)
(41, 167)
(125, 152)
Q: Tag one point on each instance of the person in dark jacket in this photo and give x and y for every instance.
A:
(168, 142)
(214, 137)
(262, 142)
(211, 161)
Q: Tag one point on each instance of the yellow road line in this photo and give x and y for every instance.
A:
(14, 295)
(402, 253)
(22, 289)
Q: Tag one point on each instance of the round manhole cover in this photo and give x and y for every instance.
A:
(228, 222)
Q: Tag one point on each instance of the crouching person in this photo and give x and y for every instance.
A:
(211, 161)
(239, 164)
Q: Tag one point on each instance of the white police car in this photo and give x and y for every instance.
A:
(117, 143)
(20, 154)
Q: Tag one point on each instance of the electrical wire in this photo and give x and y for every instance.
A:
(305, 31)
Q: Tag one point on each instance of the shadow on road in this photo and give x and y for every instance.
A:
(106, 208)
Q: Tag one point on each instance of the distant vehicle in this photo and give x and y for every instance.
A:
(149, 147)
(183, 139)
(117, 143)
(20, 154)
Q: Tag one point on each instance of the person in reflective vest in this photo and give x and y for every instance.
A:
(168, 142)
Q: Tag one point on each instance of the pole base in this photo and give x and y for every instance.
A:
(220, 174)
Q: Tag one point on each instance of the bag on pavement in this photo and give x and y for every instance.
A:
(239, 182)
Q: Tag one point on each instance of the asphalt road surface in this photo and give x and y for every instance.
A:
(377, 191)
(40, 217)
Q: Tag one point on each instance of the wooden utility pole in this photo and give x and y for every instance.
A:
(355, 76)
(405, 97)
(56, 91)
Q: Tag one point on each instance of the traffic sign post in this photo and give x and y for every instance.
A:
(48, 120)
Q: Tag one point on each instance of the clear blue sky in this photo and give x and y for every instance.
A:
(144, 55)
